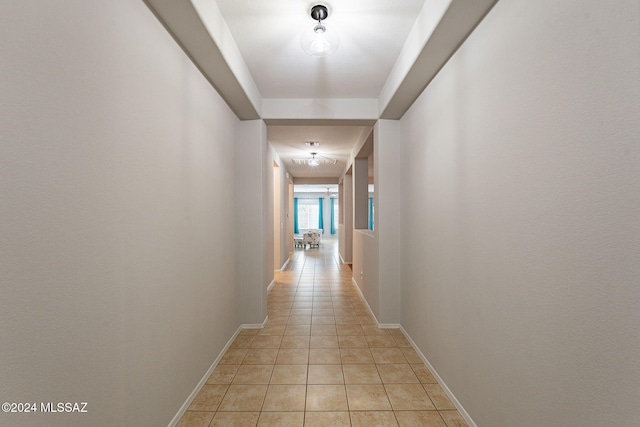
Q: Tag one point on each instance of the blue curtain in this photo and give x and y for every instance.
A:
(295, 216)
(333, 219)
(320, 216)
(370, 213)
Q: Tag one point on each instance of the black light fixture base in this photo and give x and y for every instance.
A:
(319, 42)
(319, 12)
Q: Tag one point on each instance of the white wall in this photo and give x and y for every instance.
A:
(286, 238)
(254, 196)
(345, 227)
(366, 270)
(388, 201)
(376, 254)
(117, 220)
(520, 221)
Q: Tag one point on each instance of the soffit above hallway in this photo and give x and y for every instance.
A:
(389, 51)
(250, 52)
(334, 151)
(372, 33)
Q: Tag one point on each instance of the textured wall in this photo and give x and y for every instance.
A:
(254, 198)
(520, 217)
(117, 230)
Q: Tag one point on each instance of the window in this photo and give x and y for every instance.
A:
(308, 213)
(371, 212)
(334, 214)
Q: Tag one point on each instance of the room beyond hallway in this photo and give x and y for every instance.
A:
(321, 360)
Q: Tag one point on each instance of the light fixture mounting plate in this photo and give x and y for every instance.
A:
(319, 12)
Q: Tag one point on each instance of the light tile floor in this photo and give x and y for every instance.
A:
(321, 360)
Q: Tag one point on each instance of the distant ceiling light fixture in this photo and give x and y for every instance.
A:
(313, 161)
(312, 143)
(318, 42)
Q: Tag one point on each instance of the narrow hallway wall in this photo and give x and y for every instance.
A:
(117, 247)
(254, 236)
(520, 239)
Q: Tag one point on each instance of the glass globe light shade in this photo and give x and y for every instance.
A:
(319, 42)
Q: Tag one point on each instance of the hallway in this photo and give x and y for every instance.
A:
(320, 361)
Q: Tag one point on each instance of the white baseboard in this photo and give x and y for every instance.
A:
(174, 422)
(438, 378)
(366, 303)
(176, 419)
(273, 282)
(380, 325)
(446, 389)
(284, 266)
(389, 325)
(255, 325)
(342, 259)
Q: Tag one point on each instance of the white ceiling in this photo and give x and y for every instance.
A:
(372, 32)
(250, 52)
(332, 189)
(336, 143)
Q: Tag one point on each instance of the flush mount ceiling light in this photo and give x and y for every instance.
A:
(330, 193)
(313, 161)
(318, 41)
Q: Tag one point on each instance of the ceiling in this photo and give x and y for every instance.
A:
(329, 189)
(334, 151)
(250, 52)
(372, 33)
